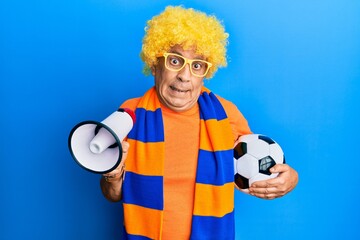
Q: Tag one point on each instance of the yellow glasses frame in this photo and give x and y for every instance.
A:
(186, 61)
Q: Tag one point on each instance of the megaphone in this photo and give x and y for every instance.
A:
(96, 146)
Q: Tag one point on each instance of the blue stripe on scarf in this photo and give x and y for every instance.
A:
(212, 107)
(127, 236)
(149, 191)
(207, 228)
(215, 168)
(149, 131)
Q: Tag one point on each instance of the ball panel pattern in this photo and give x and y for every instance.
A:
(254, 155)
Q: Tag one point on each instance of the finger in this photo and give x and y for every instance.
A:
(260, 184)
(125, 146)
(113, 174)
(268, 190)
(264, 183)
(273, 182)
(112, 178)
(266, 196)
(265, 193)
(279, 168)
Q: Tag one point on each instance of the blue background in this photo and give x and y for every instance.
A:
(294, 72)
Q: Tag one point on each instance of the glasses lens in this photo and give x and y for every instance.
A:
(174, 62)
(199, 67)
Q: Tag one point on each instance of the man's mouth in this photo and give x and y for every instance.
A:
(178, 90)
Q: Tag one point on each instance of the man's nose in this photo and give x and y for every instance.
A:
(185, 73)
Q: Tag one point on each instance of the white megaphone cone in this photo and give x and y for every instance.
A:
(96, 146)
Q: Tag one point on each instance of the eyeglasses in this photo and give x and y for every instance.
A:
(176, 62)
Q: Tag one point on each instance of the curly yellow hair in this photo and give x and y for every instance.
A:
(188, 28)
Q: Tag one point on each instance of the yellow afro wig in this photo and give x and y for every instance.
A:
(188, 28)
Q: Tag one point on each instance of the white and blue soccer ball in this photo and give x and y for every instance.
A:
(254, 155)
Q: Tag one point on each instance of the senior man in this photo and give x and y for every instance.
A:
(178, 164)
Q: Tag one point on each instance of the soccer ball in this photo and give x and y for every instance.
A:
(254, 155)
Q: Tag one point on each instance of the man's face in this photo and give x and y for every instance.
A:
(179, 91)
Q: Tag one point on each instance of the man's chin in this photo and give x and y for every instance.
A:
(179, 107)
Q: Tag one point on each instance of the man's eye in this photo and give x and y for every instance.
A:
(197, 66)
(174, 61)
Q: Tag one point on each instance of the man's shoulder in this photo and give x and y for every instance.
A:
(227, 105)
(237, 120)
(131, 103)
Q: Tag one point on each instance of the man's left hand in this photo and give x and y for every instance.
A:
(278, 186)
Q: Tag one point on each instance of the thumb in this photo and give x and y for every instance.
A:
(278, 168)
(125, 146)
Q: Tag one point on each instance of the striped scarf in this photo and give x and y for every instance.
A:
(213, 214)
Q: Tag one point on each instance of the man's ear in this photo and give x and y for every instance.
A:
(153, 70)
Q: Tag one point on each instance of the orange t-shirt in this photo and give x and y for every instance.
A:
(182, 131)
